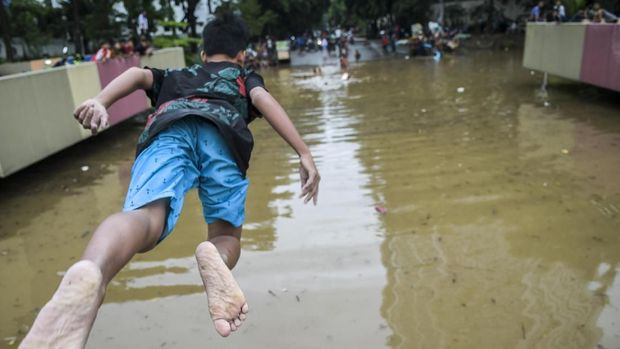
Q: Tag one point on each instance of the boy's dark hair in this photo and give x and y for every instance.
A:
(226, 34)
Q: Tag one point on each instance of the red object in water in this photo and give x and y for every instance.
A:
(381, 209)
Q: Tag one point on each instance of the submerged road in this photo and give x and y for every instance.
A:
(456, 210)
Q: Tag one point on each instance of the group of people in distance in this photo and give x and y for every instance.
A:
(557, 13)
(122, 48)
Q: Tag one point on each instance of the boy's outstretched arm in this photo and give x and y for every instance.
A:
(277, 118)
(92, 113)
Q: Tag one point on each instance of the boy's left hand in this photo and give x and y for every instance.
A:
(310, 179)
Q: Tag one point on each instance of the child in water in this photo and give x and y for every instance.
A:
(197, 137)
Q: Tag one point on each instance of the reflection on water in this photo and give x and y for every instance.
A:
(501, 227)
(500, 210)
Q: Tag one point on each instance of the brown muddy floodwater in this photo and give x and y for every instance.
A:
(501, 230)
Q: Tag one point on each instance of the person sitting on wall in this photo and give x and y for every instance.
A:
(103, 54)
(144, 47)
(536, 13)
(559, 12)
(117, 50)
(128, 47)
(599, 15)
(580, 16)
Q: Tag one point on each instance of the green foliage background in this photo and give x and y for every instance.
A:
(91, 21)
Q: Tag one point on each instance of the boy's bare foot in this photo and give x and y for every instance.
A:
(65, 321)
(226, 301)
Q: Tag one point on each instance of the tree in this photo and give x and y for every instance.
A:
(35, 23)
(100, 22)
(77, 32)
(337, 12)
(411, 11)
(135, 7)
(254, 16)
(5, 27)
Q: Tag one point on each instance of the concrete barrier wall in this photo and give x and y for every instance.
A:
(601, 61)
(36, 113)
(167, 58)
(578, 51)
(14, 68)
(35, 118)
(555, 49)
(24, 67)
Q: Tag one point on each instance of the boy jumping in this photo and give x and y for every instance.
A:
(197, 137)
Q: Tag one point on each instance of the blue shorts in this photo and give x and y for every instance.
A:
(190, 153)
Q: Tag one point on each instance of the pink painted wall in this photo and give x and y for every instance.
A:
(130, 105)
(601, 56)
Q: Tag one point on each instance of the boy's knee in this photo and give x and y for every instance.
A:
(149, 220)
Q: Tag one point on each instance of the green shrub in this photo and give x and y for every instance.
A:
(164, 41)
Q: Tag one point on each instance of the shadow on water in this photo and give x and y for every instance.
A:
(39, 187)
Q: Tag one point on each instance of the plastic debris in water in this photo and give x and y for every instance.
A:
(564, 151)
(345, 76)
(423, 110)
(84, 168)
(460, 89)
(532, 72)
(546, 104)
(381, 209)
(406, 57)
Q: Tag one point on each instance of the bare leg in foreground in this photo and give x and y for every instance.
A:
(66, 320)
(216, 257)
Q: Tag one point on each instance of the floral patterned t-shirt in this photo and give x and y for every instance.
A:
(217, 91)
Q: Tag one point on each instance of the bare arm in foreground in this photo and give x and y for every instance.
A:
(92, 113)
(277, 118)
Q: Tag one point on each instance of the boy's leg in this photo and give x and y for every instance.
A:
(222, 191)
(122, 235)
(65, 321)
(227, 240)
(216, 257)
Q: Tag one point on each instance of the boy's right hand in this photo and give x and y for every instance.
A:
(310, 179)
(92, 115)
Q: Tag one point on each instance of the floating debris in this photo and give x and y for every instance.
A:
(381, 209)
(272, 293)
(84, 168)
(10, 340)
(564, 151)
(460, 89)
